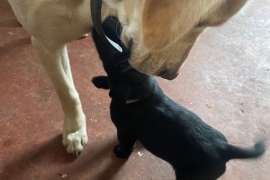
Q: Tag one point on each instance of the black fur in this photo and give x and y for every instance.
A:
(168, 130)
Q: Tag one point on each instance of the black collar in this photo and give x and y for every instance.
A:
(96, 18)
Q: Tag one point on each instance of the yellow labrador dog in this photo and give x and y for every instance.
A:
(162, 32)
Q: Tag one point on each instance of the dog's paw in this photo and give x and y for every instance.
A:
(122, 153)
(75, 136)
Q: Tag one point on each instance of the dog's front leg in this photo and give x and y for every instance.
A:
(56, 63)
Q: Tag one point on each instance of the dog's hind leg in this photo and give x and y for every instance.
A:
(56, 63)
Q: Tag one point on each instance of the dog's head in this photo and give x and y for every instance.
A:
(164, 31)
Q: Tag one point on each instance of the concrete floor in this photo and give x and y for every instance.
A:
(225, 80)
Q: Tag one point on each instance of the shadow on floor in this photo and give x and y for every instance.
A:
(45, 154)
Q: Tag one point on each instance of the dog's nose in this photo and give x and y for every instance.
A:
(166, 74)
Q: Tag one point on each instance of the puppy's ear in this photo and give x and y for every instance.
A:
(164, 21)
(101, 82)
(112, 28)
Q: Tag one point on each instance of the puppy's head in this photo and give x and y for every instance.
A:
(164, 31)
(116, 64)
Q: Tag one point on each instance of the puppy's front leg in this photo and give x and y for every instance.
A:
(125, 134)
(56, 63)
(126, 145)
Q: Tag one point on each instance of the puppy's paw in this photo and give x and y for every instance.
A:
(75, 135)
(121, 152)
(101, 82)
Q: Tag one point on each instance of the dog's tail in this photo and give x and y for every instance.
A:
(234, 152)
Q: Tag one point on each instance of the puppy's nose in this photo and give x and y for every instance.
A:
(167, 74)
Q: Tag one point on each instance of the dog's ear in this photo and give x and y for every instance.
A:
(165, 21)
(101, 82)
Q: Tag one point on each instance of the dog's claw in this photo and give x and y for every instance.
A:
(74, 142)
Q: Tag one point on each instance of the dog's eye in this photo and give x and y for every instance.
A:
(199, 24)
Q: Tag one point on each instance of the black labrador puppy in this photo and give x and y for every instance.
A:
(141, 111)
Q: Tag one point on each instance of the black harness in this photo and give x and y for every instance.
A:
(96, 18)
